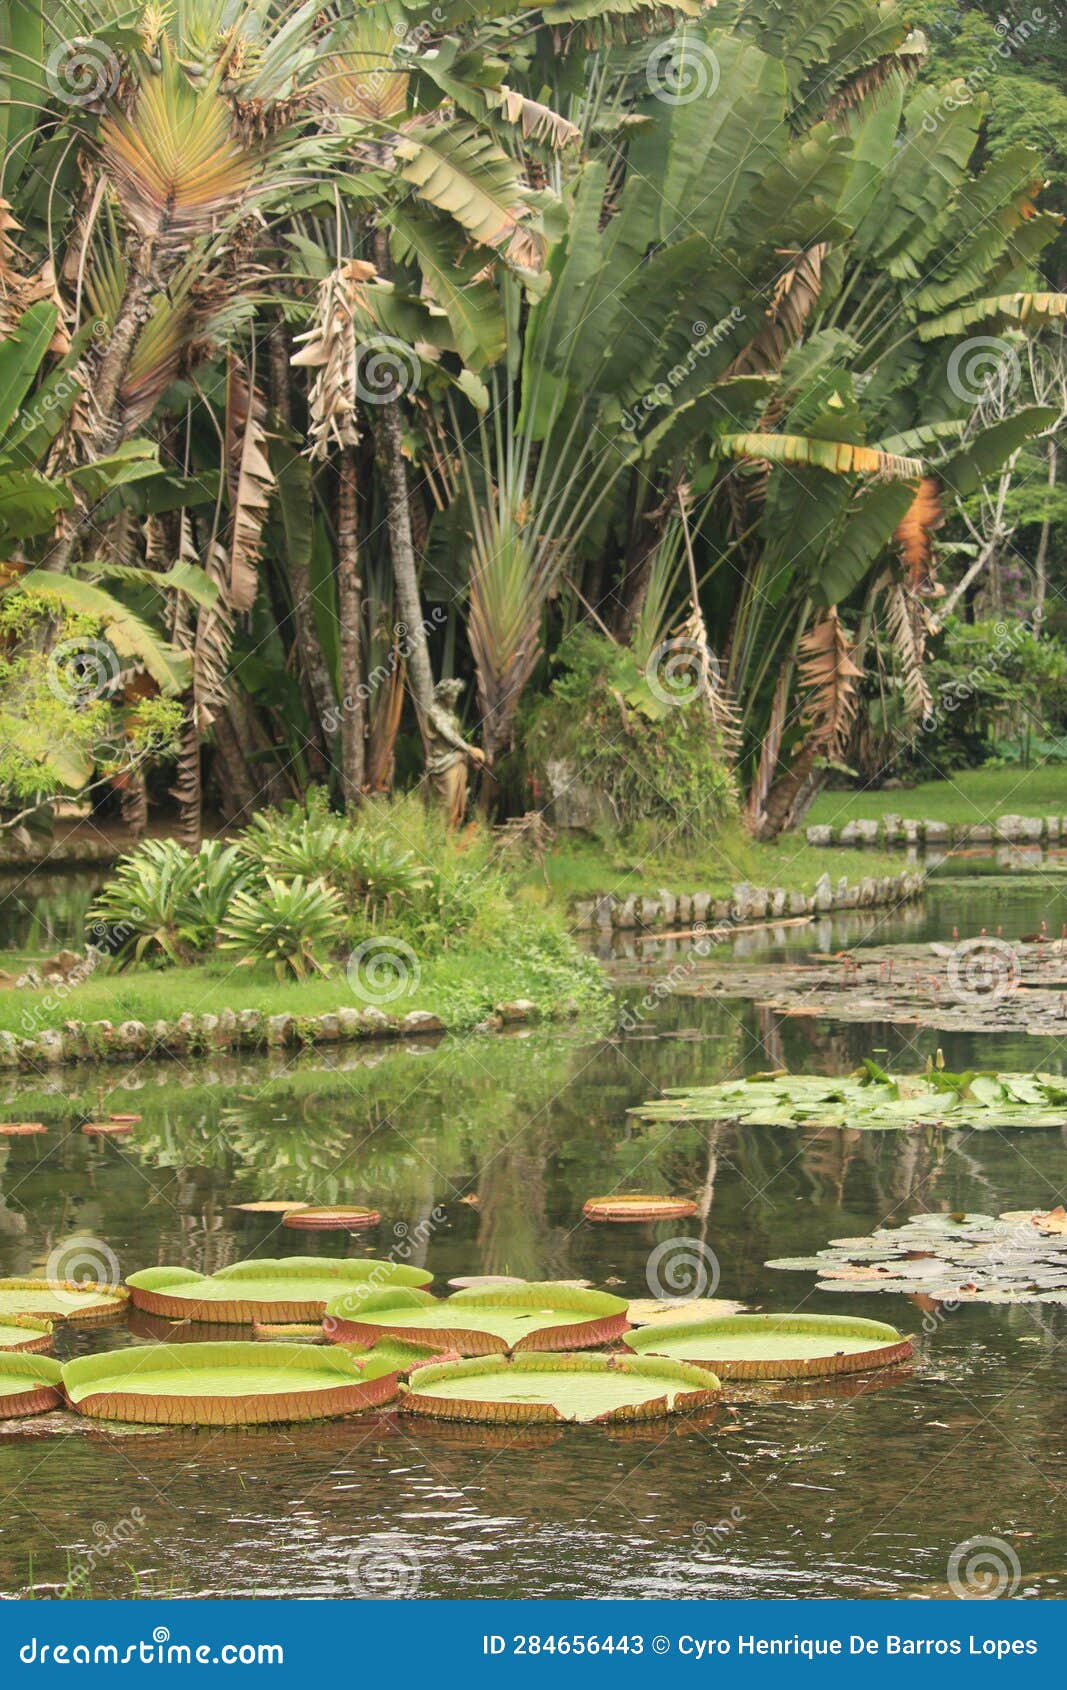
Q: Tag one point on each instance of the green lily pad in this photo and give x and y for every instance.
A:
(29, 1384)
(228, 1384)
(61, 1299)
(482, 1322)
(870, 1100)
(776, 1346)
(24, 1333)
(580, 1387)
(290, 1291)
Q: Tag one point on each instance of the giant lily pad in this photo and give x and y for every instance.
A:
(29, 1384)
(21, 1332)
(61, 1299)
(776, 1346)
(21, 1129)
(477, 1323)
(872, 1100)
(953, 1258)
(229, 1384)
(635, 1206)
(581, 1387)
(290, 1291)
(337, 1218)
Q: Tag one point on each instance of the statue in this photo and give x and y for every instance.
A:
(448, 755)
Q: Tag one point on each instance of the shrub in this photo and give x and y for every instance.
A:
(165, 902)
(284, 921)
(654, 758)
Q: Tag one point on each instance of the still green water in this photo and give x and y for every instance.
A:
(812, 1494)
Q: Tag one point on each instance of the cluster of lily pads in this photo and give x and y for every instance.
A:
(870, 1099)
(1019, 1256)
(492, 1351)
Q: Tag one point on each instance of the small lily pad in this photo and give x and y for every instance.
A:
(336, 1218)
(634, 1206)
(481, 1322)
(776, 1346)
(583, 1388)
(274, 1206)
(21, 1129)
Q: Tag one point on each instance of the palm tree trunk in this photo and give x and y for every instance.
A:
(398, 527)
(350, 617)
(312, 667)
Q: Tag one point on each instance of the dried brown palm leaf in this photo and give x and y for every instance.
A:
(914, 533)
(829, 677)
(795, 295)
(538, 122)
(331, 349)
(906, 627)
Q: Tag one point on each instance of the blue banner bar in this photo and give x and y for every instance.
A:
(492, 1643)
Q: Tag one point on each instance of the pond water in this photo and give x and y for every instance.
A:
(807, 1493)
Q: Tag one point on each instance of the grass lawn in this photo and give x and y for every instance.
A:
(973, 795)
(584, 868)
(461, 987)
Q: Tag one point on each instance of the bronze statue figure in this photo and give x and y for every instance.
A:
(448, 755)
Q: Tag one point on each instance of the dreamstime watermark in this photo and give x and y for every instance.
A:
(982, 1569)
(983, 970)
(386, 369)
(382, 969)
(105, 942)
(1012, 36)
(680, 1269)
(705, 340)
(81, 671)
(681, 670)
(110, 1540)
(383, 672)
(386, 1568)
(681, 70)
(82, 71)
(83, 1264)
(705, 1535)
(633, 1016)
(983, 364)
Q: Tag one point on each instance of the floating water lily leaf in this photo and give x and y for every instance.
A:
(273, 1207)
(107, 1129)
(61, 1299)
(870, 1100)
(292, 1332)
(124, 1120)
(481, 1322)
(952, 1258)
(776, 1346)
(29, 1384)
(21, 1129)
(582, 1387)
(658, 1311)
(228, 1384)
(337, 1218)
(637, 1207)
(478, 1281)
(293, 1289)
(24, 1333)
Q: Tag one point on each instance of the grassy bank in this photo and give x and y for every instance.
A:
(461, 986)
(972, 796)
(583, 869)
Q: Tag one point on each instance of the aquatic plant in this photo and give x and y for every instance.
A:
(499, 1319)
(775, 1346)
(586, 1388)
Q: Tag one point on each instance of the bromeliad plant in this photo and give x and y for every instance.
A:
(284, 922)
(167, 903)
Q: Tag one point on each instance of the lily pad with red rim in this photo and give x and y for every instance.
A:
(290, 1290)
(271, 1206)
(636, 1206)
(29, 1384)
(25, 1334)
(62, 1299)
(583, 1388)
(337, 1217)
(107, 1129)
(21, 1129)
(492, 1321)
(776, 1346)
(227, 1384)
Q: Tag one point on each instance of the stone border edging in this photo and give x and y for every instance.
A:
(242, 1030)
(893, 830)
(746, 902)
